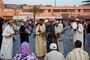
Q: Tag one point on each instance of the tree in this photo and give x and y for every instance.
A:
(35, 9)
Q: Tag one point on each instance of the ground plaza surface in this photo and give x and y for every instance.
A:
(67, 40)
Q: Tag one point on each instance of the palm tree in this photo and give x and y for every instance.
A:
(35, 9)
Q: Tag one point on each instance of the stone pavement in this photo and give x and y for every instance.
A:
(67, 42)
(40, 58)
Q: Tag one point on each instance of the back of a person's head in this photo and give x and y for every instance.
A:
(78, 44)
(54, 55)
(41, 19)
(53, 46)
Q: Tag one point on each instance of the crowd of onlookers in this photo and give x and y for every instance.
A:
(48, 39)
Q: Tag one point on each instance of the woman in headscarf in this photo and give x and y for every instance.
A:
(25, 53)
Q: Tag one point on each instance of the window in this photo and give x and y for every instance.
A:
(56, 10)
(64, 10)
(72, 14)
(71, 10)
(49, 10)
(26, 10)
(79, 10)
(86, 10)
(8, 10)
(41, 10)
(8, 17)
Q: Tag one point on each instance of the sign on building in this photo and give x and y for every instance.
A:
(13, 7)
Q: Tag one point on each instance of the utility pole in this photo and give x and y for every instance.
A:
(55, 2)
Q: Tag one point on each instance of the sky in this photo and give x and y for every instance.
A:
(45, 2)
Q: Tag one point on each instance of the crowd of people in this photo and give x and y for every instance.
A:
(48, 39)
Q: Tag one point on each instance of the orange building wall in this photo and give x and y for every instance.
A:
(19, 12)
(1, 8)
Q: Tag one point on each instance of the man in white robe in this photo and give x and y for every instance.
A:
(77, 53)
(40, 39)
(78, 31)
(7, 43)
(61, 26)
(54, 54)
(58, 33)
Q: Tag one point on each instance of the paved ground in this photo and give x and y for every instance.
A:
(67, 40)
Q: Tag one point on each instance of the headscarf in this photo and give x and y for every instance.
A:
(24, 49)
(46, 21)
(25, 53)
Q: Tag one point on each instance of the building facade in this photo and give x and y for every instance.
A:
(8, 11)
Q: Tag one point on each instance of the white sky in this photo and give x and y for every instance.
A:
(45, 2)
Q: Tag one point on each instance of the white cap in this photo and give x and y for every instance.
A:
(45, 21)
(30, 22)
(77, 19)
(53, 46)
(22, 24)
(25, 20)
(56, 22)
(60, 21)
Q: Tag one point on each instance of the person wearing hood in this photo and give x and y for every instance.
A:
(78, 33)
(25, 53)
